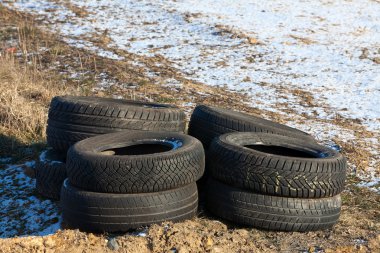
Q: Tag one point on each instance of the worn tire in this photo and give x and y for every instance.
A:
(272, 212)
(180, 161)
(274, 165)
(50, 173)
(208, 122)
(76, 118)
(62, 139)
(106, 212)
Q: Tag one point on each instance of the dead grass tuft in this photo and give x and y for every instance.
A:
(303, 40)
(26, 88)
(80, 12)
(24, 98)
(356, 154)
(234, 33)
(306, 97)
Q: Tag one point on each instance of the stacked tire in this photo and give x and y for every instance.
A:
(208, 122)
(275, 182)
(50, 173)
(72, 119)
(265, 174)
(126, 180)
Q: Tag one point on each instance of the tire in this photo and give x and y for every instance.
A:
(272, 212)
(89, 116)
(143, 162)
(105, 212)
(62, 139)
(208, 122)
(277, 165)
(50, 173)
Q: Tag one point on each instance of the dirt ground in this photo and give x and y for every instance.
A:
(351, 234)
(359, 224)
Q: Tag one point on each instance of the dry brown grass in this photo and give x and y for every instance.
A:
(25, 90)
(303, 40)
(26, 87)
(25, 94)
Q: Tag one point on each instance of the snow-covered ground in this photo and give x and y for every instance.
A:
(328, 48)
(22, 211)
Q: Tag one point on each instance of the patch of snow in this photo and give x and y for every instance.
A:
(373, 184)
(360, 241)
(305, 45)
(5, 159)
(141, 232)
(30, 164)
(54, 12)
(171, 82)
(175, 143)
(22, 212)
(189, 104)
(331, 144)
(117, 97)
(44, 159)
(328, 64)
(91, 47)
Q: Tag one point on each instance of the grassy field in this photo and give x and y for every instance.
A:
(36, 65)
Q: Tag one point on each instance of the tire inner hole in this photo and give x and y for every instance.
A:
(138, 149)
(283, 151)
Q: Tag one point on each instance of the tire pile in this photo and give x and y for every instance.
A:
(128, 163)
(118, 165)
(72, 119)
(125, 180)
(269, 176)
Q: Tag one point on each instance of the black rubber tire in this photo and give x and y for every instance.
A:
(321, 175)
(106, 212)
(208, 122)
(50, 173)
(86, 116)
(272, 212)
(62, 139)
(89, 169)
